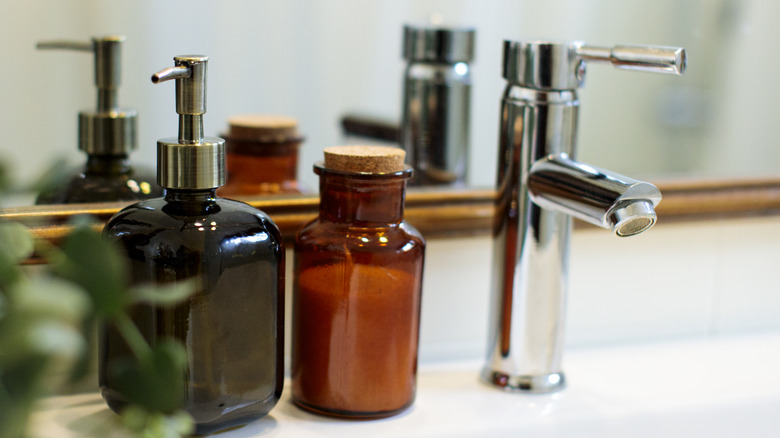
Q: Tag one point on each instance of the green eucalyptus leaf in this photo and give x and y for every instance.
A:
(96, 265)
(156, 382)
(157, 425)
(13, 417)
(51, 297)
(23, 336)
(134, 417)
(5, 179)
(53, 338)
(20, 386)
(16, 242)
(20, 380)
(164, 295)
(53, 177)
(9, 272)
(182, 422)
(83, 364)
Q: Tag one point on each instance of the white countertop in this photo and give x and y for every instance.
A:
(708, 387)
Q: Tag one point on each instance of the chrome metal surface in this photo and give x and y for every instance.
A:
(191, 161)
(655, 59)
(438, 44)
(436, 106)
(109, 130)
(557, 182)
(191, 166)
(561, 66)
(108, 133)
(539, 383)
(540, 188)
(190, 73)
(543, 65)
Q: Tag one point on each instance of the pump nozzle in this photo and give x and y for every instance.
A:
(171, 73)
(108, 56)
(190, 75)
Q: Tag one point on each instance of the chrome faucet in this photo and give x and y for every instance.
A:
(540, 187)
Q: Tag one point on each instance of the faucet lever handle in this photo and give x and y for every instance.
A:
(658, 59)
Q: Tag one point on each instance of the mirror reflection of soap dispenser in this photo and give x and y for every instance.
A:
(232, 328)
(107, 135)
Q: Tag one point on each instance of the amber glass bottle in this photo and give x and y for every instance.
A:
(358, 277)
(232, 328)
(262, 156)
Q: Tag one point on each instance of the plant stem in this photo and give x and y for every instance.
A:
(133, 337)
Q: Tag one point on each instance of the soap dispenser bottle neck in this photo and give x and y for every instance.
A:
(191, 196)
(107, 164)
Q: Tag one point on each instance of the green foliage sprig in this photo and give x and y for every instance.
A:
(44, 319)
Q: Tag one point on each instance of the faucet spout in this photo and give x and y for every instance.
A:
(600, 197)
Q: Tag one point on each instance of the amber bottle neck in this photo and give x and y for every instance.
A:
(360, 200)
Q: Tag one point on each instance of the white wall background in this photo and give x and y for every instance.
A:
(316, 60)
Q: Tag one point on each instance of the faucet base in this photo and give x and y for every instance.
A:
(540, 383)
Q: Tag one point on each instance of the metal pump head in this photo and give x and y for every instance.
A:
(109, 130)
(191, 161)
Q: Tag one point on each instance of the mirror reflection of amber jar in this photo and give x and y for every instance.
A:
(357, 288)
(262, 156)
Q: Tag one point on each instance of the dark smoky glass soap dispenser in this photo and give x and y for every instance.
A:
(107, 135)
(233, 326)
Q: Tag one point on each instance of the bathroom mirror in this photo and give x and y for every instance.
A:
(318, 61)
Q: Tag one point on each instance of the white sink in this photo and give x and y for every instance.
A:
(705, 387)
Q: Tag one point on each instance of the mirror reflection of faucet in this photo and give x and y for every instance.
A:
(436, 105)
(540, 187)
(436, 109)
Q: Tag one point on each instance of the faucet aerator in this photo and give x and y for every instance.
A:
(633, 218)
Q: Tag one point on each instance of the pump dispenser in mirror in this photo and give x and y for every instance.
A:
(107, 135)
(232, 328)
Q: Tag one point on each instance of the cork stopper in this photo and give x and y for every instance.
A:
(365, 159)
(263, 128)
